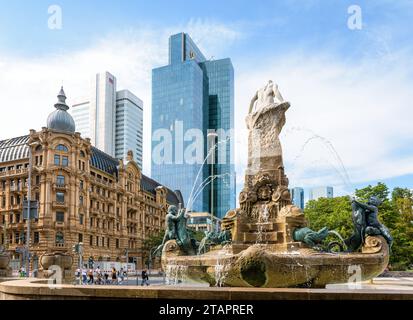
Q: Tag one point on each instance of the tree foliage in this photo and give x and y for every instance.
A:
(395, 212)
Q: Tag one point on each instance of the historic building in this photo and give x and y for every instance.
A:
(84, 195)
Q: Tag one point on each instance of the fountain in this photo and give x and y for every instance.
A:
(266, 242)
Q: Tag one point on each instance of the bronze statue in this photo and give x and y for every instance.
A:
(366, 222)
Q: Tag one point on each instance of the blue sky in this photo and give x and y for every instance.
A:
(352, 87)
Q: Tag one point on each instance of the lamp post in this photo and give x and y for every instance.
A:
(127, 259)
(29, 191)
(212, 136)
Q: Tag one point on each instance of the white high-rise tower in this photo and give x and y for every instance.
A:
(113, 120)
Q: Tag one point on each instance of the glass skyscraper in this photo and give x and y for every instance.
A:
(189, 93)
(320, 192)
(297, 196)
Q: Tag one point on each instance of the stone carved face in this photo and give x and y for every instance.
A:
(264, 193)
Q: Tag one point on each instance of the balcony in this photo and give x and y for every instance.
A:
(60, 187)
(15, 172)
(59, 205)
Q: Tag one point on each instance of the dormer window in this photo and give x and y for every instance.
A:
(62, 147)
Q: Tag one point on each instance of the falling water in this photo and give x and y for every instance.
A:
(262, 221)
(222, 266)
(190, 198)
(206, 182)
(175, 273)
(342, 172)
(340, 237)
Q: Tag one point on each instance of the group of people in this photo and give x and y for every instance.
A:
(114, 277)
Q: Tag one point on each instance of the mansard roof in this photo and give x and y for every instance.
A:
(18, 149)
(103, 161)
(14, 149)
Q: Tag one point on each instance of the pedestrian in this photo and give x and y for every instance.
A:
(114, 276)
(90, 276)
(77, 276)
(98, 275)
(106, 275)
(145, 278)
(84, 275)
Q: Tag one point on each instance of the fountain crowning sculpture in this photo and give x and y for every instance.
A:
(266, 242)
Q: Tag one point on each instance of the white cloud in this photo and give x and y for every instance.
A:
(361, 113)
(363, 109)
(28, 86)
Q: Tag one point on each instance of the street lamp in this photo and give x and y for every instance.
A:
(212, 137)
(29, 190)
(127, 258)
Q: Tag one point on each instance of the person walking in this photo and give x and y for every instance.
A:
(84, 275)
(78, 274)
(98, 275)
(106, 275)
(90, 276)
(145, 278)
(114, 275)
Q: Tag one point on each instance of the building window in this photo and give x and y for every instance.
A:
(62, 147)
(108, 242)
(81, 200)
(36, 237)
(37, 180)
(81, 185)
(60, 240)
(60, 180)
(60, 216)
(56, 160)
(117, 243)
(80, 237)
(60, 197)
(82, 154)
(81, 219)
(91, 240)
(65, 161)
(97, 241)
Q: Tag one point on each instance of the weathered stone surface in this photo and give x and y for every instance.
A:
(39, 290)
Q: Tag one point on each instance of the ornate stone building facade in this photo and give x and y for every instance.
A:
(83, 194)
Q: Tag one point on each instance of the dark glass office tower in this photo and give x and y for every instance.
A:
(192, 92)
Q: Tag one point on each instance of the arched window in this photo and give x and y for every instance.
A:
(38, 148)
(62, 147)
(60, 240)
(82, 154)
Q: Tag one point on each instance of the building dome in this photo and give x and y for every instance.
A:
(60, 119)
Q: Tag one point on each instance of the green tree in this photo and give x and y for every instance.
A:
(334, 213)
(395, 212)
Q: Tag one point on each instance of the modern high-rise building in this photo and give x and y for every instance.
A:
(320, 192)
(297, 197)
(190, 93)
(129, 125)
(113, 120)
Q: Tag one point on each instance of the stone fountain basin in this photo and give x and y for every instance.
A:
(260, 266)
